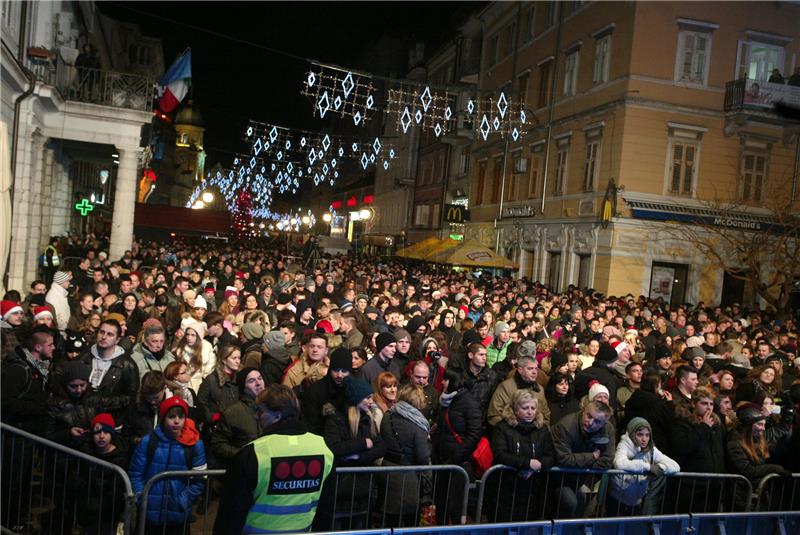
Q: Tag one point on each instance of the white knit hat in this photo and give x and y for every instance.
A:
(597, 388)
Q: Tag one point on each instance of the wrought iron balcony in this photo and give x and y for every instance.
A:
(752, 95)
(96, 86)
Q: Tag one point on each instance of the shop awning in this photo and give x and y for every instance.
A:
(476, 255)
(418, 248)
(441, 250)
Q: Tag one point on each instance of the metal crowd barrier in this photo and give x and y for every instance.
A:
(764, 523)
(200, 516)
(505, 496)
(49, 488)
(776, 493)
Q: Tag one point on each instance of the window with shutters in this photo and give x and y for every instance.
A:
(753, 176)
(545, 81)
(591, 165)
(694, 53)
(683, 167)
(571, 73)
(481, 182)
(422, 214)
(493, 50)
(559, 184)
(602, 57)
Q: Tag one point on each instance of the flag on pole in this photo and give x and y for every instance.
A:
(174, 85)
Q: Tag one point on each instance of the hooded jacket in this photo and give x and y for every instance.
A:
(120, 383)
(237, 427)
(697, 447)
(630, 488)
(170, 500)
(217, 392)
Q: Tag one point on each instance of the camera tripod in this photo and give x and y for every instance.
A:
(313, 257)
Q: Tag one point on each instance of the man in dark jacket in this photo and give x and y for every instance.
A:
(698, 445)
(601, 371)
(329, 389)
(218, 335)
(276, 358)
(24, 381)
(114, 374)
(479, 380)
(447, 327)
(383, 361)
(238, 424)
(582, 440)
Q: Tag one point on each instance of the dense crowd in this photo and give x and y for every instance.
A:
(156, 361)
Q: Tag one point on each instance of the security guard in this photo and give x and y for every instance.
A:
(277, 483)
(50, 261)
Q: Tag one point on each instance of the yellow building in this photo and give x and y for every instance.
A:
(637, 99)
(190, 157)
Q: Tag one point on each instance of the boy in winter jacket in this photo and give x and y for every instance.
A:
(170, 501)
(105, 493)
(637, 453)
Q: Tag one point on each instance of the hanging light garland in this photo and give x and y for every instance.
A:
(337, 91)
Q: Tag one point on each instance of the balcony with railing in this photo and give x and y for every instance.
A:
(95, 86)
(759, 97)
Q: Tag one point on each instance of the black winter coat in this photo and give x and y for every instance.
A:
(659, 413)
(216, 393)
(482, 387)
(516, 446)
(598, 372)
(120, 382)
(24, 392)
(467, 420)
(237, 427)
(314, 399)
(62, 414)
(141, 421)
(560, 406)
(697, 447)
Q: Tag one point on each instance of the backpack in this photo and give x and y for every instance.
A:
(151, 451)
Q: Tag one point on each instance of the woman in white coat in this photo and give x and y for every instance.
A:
(196, 352)
(639, 491)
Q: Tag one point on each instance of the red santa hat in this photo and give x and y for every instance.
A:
(9, 307)
(41, 312)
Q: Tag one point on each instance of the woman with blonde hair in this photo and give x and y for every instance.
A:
(196, 352)
(354, 439)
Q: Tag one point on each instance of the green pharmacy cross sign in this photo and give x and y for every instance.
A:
(84, 207)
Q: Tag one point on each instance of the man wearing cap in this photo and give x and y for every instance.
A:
(278, 483)
(475, 308)
(383, 361)
(24, 378)
(600, 371)
(329, 389)
(496, 352)
(238, 423)
(524, 379)
(57, 296)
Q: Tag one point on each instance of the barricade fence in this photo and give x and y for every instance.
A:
(508, 495)
(49, 488)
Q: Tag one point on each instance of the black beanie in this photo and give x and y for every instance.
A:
(606, 354)
(341, 360)
(75, 369)
(383, 340)
(241, 377)
(557, 360)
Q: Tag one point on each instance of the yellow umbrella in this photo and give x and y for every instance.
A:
(475, 254)
(441, 250)
(407, 252)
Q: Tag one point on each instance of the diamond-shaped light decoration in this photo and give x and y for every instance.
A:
(371, 158)
(426, 98)
(364, 160)
(496, 123)
(325, 169)
(302, 142)
(280, 155)
(405, 119)
(448, 113)
(418, 116)
(357, 118)
(370, 101)
(522, 116)
(253, 163)
(485, 128)
(333, 162)
(502, 105)
(385, 165)
(376, 146)
(273, 135)
(257, 146)
(289, 167)
(311, 79)
(470, 106)
(337, 102)
(437, 130)
(515, 134)
(312, 157)
(341, 152)
(249, 131)
(288, 144)
(320, 154)
(324, 104)
(347, 84)
(326, 142)
(354, 146)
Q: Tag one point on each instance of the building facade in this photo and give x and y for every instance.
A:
(636, 124)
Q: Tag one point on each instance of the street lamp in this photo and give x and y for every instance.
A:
(208, 197)
(198, 205)
(365, 214)
(306, 220)
(327, 217)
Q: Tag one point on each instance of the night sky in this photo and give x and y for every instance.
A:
(234, 80)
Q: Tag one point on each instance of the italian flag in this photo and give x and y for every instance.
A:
(174, 85)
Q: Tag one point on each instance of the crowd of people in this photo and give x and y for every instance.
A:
(171, 357)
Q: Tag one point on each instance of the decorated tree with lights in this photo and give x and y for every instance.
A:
(241, 225)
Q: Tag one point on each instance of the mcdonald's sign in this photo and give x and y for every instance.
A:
(455, 214)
